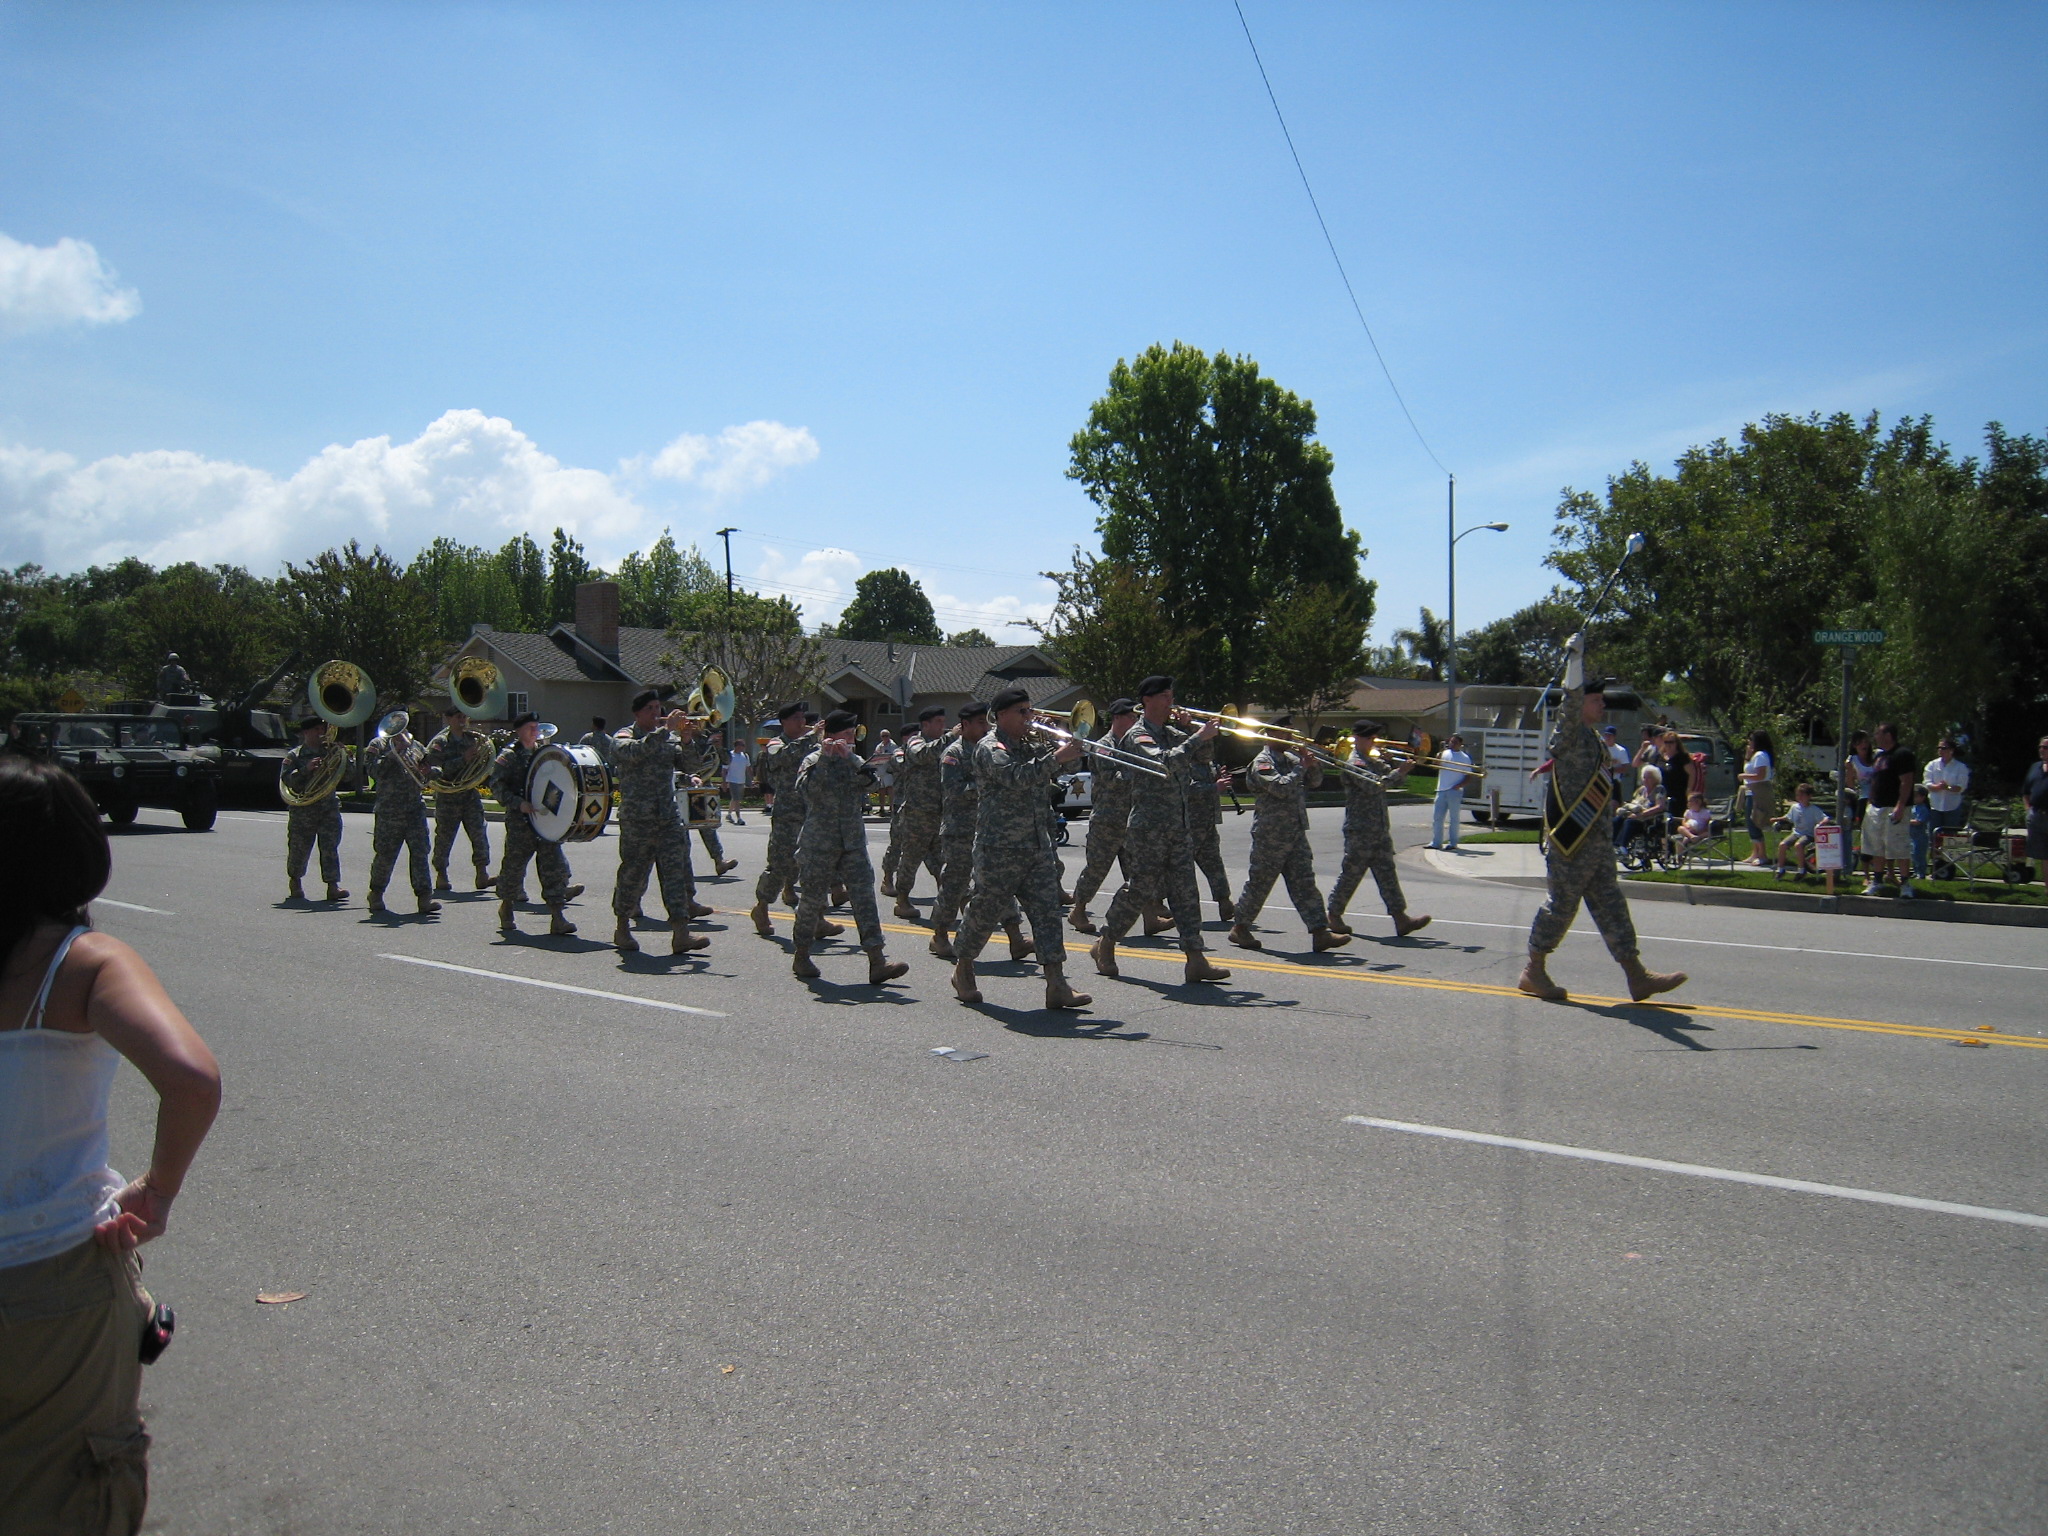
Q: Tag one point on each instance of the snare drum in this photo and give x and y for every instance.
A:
(704, 808)
(571, 792)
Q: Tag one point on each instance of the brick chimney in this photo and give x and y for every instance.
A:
(597, 615)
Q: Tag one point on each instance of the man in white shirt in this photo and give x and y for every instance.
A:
(1947, 777)
(1450, 794)
(737, 768)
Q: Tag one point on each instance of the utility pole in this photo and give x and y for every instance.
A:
(726, 534)
(1451, 537)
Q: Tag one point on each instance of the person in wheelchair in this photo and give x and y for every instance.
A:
(1643, 819)
(1801, 819)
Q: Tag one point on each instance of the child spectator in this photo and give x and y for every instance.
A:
(1802, 818)
(1920, 825)
(1697, 825)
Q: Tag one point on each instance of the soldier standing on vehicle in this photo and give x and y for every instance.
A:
(1368, 839)
(1578, 856)
(400, 821)
(652, 835)
(522, 843)
(172, 678)
(914, 835)
(318, 822)
(463, 810)
(1015, 860)
(1282, 780)
(832, 849)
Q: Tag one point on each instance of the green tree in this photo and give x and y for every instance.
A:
(653, 585)
(1429, 644)
(223, 623)
(526, 573)
(890, 605)
(741, 610)
(1207, 475)
(1314, 652)
(351, 606)
(1522, 650)
(970, 638)
(567, 569)
(768, 661)
(1110, 628)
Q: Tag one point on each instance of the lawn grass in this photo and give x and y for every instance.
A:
(1508, 835)
(1847, 884)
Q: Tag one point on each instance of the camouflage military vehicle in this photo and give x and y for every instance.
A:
(127, 762)
(247, 744)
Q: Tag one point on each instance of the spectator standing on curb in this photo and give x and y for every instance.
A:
(1948, 779)
(1858, 764)
(1762, 793)
(76, 1326)
(738, 768)
(1887, 834)
(1450, 794)
(1676, 768)
(2035, 793)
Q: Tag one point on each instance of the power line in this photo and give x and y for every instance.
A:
(1323, 224)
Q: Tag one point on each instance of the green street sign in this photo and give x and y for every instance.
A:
(1848, 637)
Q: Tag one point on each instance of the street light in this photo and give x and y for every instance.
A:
(1451, 619)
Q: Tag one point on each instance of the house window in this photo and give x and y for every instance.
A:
(515, 705)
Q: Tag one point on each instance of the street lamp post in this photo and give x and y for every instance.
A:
(1451, 618)
(726, 534)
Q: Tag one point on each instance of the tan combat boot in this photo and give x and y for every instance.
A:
(483, 878)
(375, 904)
(1104, 955)
(441, 881)
(1058, 994)
(298, 891)
(1329, 938)
(1020, 947)
(762, 925)
(1157, 923)
(1405, 925)
(881, 968)
(1644, 983)
(559, 926)
(828, 930)
(1080, 921)
(904, 909)
(1244, 938)
(1199, 969)
(505, 921)
(942, 944)
(963, 982)
(726, 866)
(335, 892)
(800, 963)
(1536, 980)
(623, 940)
(681, 941)
(428, 906)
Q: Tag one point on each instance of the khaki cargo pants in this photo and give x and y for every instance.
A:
(73, 1452)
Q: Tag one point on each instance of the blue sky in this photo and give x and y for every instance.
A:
(848, 276)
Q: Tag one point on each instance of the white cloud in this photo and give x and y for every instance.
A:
(43, 287)
(821, 582)
(738, 460)
(469, 476)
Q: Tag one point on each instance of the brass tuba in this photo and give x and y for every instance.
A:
(477, 688)
(326, 778)
(340, 693)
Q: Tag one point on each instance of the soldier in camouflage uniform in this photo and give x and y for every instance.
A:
(1281, 780)
(320, 822)
(463, 812)
(699, 766)
(833, 848)
(1015, 859)
(914, 831)
(652, 836)
(1206, 783)
(1109, 815)
(400, 822)
(1368, 840)
(1156, 853)
(1578, 853)
(508, 783)
(961, 794)
(780, 762)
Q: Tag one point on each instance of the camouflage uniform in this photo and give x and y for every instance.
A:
(652, 836)
(1368, 844)
(920, 807)
(1205, 813)
(401, 822)
(960, 795)
(780, 761)
(1109, 819)
(458, 813)
(832, 849)
(1157, 859)
(1578, 756)
(508, 783)
(1280, 848)
(1015, 859)
(306, 825)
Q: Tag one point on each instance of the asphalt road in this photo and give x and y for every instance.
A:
(577, 1264)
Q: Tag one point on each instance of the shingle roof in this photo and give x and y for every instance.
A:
(544, 657)
(933, 668)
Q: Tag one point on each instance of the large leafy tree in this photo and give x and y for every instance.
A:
(223, 623)
(351, 606)
(1207, 475)
(768, 660)
(1109, 627)
(1523, 650)
(653, 586)
(567, 569)
(890, 605)
(1314, 652)
(1429, 642)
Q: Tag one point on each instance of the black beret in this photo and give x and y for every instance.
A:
(1121, 707)
(840, 720)
(643, 698)
(787, 710)
(973, 709)
(1596, 685)
(453, 710)
(810, 717)
(1365, 727)
(1009, 698)
(1286, 720)
(311, 723)
(529, 718)
(931, 712)
(1158, 682)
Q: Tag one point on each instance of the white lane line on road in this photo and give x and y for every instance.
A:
(1781, 949)
(129, 906)
(557, 986)
(1700, 1171)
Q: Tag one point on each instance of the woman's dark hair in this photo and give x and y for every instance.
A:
(1761, 741)
(56, 848)
(1857, 739)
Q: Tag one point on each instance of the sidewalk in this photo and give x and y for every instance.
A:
(1522, 864)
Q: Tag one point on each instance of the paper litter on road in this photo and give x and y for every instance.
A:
(953, 1054)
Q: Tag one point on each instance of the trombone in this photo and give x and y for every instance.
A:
(1425, 763)
(1288, 739)
(1082, 717)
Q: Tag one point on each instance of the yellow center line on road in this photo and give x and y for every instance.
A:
(1490, 989)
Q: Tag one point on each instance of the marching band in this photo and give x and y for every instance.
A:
(977, 809)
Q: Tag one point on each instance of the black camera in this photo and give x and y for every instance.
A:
(156, 1332)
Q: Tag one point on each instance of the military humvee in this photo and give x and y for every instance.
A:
(127, 762)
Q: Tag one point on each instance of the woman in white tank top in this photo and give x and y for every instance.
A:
(73, 1003)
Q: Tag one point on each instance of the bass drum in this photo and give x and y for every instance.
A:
(571, 792)
(705, 808)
